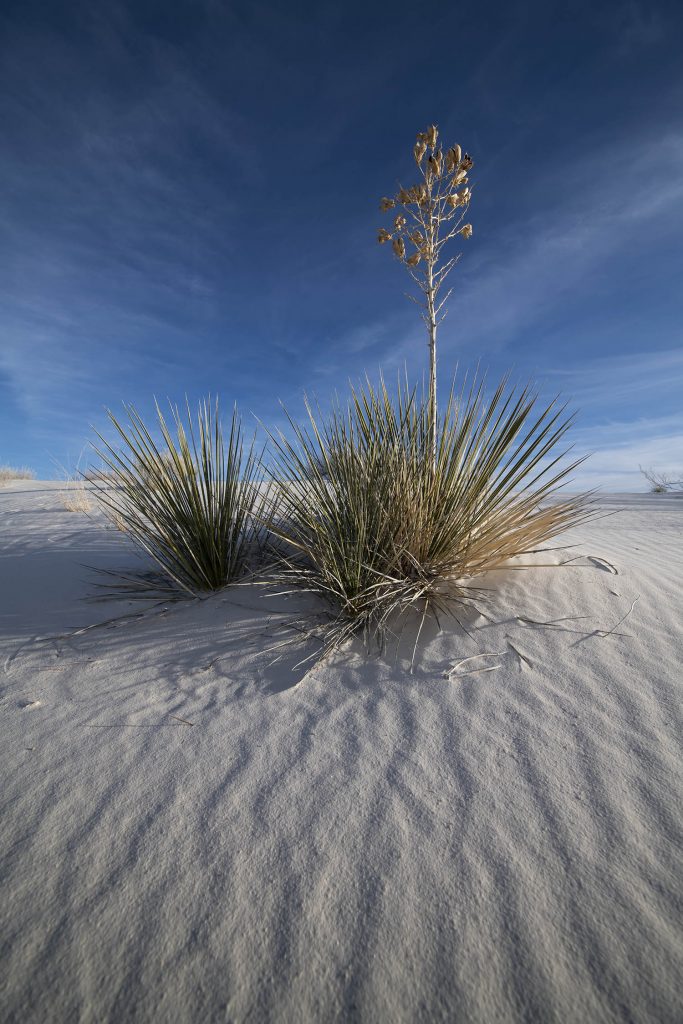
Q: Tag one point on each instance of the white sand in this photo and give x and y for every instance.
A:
(367, 845)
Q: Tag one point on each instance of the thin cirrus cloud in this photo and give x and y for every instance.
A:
(548, 263)
(158, 241)
(533, 269)
(618, 379)
(544, 263)
(619, 450)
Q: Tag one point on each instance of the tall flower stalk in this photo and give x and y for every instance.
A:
(428, 217)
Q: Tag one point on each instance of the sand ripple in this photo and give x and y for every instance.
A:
(367, 845)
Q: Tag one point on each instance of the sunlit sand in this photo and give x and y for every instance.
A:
(194, 831)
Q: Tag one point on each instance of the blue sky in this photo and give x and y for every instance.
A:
(189, 203)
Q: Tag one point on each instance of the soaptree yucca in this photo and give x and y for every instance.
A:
(187, 500)
(369, 521)
(428, 217)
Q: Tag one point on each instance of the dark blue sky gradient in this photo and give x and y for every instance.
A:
(189, 203)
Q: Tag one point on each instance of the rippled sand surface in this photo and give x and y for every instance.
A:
(190, 832)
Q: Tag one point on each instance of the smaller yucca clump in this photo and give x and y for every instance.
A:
(369, 523)
(189, 502)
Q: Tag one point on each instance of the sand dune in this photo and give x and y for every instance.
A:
(193, 833)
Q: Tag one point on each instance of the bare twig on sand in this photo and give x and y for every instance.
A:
(453, 669)
(522, 657)
(611, 631)
(603, 561)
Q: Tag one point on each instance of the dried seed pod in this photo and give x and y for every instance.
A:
(399, 222)
(387, 204)
(404, 196)
(413, 260)
(431, 135)
(383, 236)
(399, 247)
(459, 198)
(466, 163)
(466, 231)
(419, 150)
(417, 238)
(459, 178)
(416, 194)
(453, 157)
(437, 161)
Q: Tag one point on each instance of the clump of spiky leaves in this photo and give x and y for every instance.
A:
(368, 522)
(189, 502)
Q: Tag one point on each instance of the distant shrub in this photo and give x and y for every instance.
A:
(661, 483)
(16, 473)
(367, 521)
(189, 502)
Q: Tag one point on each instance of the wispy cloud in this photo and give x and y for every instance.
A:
(619, 449)
(170, 225)
(538, 266)
(608, 380)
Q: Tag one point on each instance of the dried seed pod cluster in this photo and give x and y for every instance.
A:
(440, 198)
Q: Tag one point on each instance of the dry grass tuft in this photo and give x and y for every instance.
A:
(15, 473)
(75, 497)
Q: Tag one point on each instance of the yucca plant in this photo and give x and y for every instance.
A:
(367, 521)
(188, 501)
